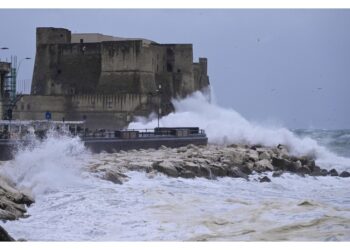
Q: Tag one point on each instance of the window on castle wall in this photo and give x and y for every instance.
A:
(28, 106)
(22, 106)
(169, 67)
(178, 70)
(59, 71)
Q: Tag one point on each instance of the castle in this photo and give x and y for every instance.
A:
(107, 80)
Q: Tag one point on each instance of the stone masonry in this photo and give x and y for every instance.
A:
(106, 79)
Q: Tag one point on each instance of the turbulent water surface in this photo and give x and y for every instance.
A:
(73, 204)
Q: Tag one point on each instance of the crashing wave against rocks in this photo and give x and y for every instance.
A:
(212, 161)
(12, 205)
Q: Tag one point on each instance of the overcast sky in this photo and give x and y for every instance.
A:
(290, 67)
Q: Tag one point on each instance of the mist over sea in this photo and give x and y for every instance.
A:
(73, 204)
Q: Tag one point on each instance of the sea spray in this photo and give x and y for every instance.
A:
(226, 126)
(48, 164)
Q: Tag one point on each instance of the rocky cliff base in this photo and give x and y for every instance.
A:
(212, 161)
(13, 204)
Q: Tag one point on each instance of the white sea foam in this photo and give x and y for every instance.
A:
(225, 126)
(47, 165)
(73, 205)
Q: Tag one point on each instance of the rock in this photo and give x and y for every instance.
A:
(218, 170)
(4, 236)
(283, 164)
(308, 161)
(282, 151)
(252, 155)
(205, 171)
(264, 156)
(247, 170)
(166, 167)
(187, 174)
(191, 146)
(316, 171)
(303, 170)
(263, 165)
(255, 147)
(344, 174)
(324, 172)
(265, 179)
(235, 172)
(12, 201)
(115, 176)
(6, 215)
(333, 172)
(191, 166)
(237, 157)
(277, 173)
(306, 203)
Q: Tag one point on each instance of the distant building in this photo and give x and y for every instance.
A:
(107, 80)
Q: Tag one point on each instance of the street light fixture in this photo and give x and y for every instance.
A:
(3, 48)
(18, 67)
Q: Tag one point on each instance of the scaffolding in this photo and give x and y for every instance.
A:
(10, 81)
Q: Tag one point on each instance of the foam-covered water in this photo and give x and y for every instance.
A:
(225, 126)
(73, 204)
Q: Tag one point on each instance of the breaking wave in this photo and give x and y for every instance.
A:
(47, 165)
(227, 126)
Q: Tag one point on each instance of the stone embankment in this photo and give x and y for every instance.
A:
(212, 161)
(12, 205)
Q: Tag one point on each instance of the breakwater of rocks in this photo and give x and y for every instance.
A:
(13, 204)
(212, 161)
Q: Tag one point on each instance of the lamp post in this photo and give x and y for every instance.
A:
(17, 69)
(4, 48)
(159, 108)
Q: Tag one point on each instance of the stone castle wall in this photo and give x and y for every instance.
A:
(120, 76)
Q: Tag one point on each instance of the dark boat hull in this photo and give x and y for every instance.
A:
(113, 145)
(8, 148)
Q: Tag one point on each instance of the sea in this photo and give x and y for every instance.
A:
(73, 204)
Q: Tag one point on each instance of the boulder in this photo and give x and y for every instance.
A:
(218, 170)
(344, 174)
(316, 171)
(252, 155)
(308, 161)
(4, 236)
(115, 176)
(265, 179)
(283, 164)
(205, 171)
(303, 170)
(246, 169)
(235, 172)
(282, 151)
(277, 173)
(263, 165)
(191, 166)
(187, 174)
(324, 172)
(333, 172)
(237, 157)
(166, 167)
(264, 156)
(12, 201)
